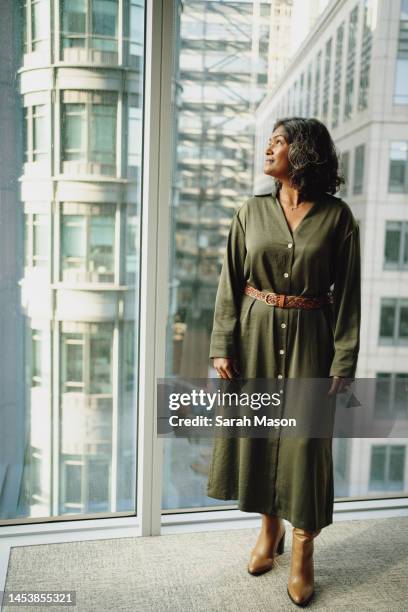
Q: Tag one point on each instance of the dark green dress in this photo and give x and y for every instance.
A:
(290, 477)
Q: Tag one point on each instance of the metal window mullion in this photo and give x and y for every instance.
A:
(154, 261)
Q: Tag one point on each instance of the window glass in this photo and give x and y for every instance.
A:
(103, 133)
(74, 132)
(398, 176)
(40, 133)
(39, 24)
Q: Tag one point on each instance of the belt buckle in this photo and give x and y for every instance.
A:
(268, 298)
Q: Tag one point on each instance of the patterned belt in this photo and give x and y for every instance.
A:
(290, 301)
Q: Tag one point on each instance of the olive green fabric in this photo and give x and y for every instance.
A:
(290, 477)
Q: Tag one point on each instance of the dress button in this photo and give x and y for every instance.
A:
(283, 325)
(290, 245)
(281, 391)
(282, 352)
(280, 376)
(286, 275)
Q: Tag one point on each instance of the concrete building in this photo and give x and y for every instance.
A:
(351, 72)
(81, 90)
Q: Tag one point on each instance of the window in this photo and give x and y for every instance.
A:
(396, 245)
(345, 167)
(398, 174)
(351, 59)
(308, 91)
(317, 83)
(326, 83)
(394, 321)
(134, 135)
(89, 128)
(86, 358)
(387, 467)
(72, 486)
(89, 24)
(358, 182)
(401, 67)
(36, 25)
(37, 244)
(366, 47)
(390, 395)
(88, 243)
(37, 358)
(337, 75)
(36, 133)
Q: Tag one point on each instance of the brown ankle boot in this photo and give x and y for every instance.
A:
(301, 579)
(270, 543)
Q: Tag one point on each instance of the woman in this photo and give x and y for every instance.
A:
(300, 240)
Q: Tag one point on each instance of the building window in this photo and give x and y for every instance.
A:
(89, 24)
(72, 476)
(387, 467)
(317, 83)
(358, 180)
(37, 361)
(394, 321)
(88, 243)
(401, 68)
(366, 46)
(390, 395)
(36, 25)
(396, 245)
(36, 133)
(89, 128)
(133, 33)
(345, 168)
(308, 91)
(86, 358)
(37, 240)
(398, 174)
(326, 84)
(134, 136)
(337, 75)
(351, 59)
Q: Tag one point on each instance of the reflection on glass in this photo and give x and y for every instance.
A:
(220, 65)
(89, 24)
(220, 75)
(69, 286)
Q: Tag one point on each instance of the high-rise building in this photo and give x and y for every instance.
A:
(351, 72)
(80, 78)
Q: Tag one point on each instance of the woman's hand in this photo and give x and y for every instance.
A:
(340, 384)
(225, 367)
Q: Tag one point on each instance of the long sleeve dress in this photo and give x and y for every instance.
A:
(289, 477)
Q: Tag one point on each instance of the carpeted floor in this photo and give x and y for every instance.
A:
(359, 565)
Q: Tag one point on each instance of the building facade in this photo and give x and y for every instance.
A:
(351, 72)
(81, 85)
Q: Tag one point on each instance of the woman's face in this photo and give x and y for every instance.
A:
(276, 154)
